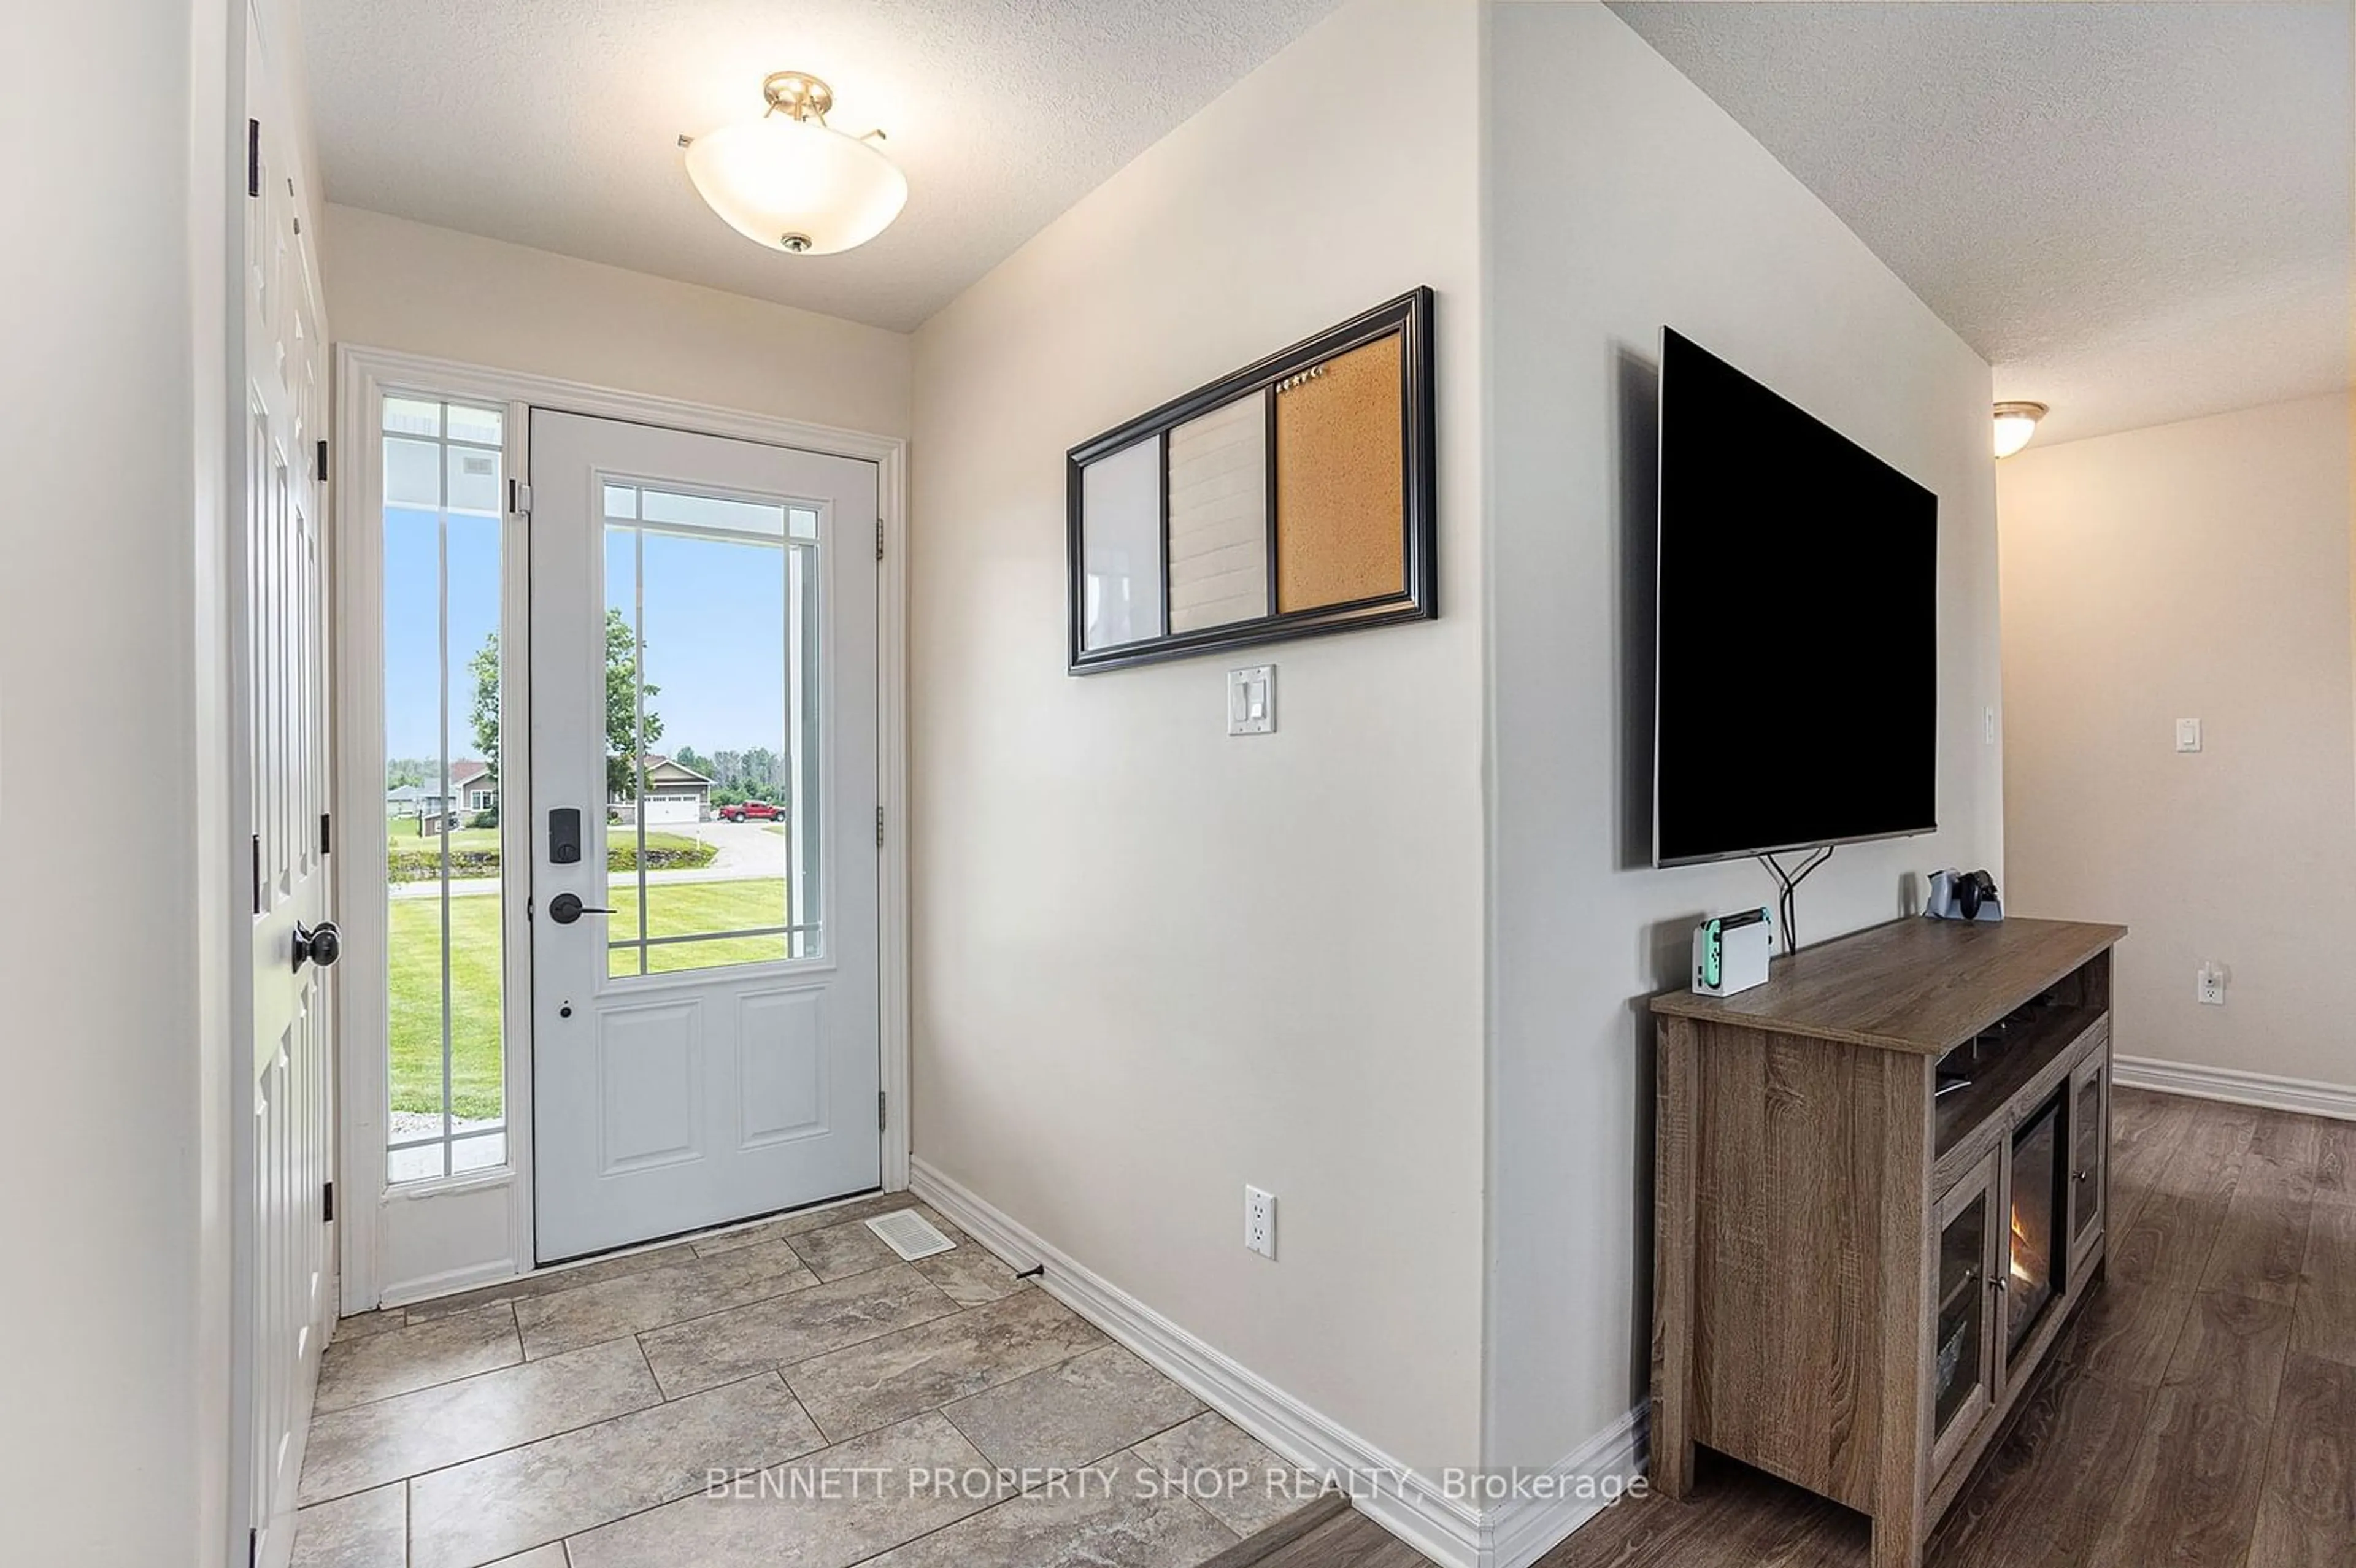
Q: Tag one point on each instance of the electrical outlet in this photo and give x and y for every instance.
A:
(1259, 1222)
(2212, 983)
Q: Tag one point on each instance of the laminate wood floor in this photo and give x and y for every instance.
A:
(2200, 1411)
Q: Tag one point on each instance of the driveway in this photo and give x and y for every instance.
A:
(746, 849)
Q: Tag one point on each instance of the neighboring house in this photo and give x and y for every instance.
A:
(415, 803)
(674, 793)
(469, 789)
(410, 800)
(472, 787)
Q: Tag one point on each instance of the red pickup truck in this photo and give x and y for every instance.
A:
(750, 811)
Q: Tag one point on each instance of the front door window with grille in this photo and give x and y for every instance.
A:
(713, 730)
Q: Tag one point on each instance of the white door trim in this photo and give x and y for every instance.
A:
(361, 374)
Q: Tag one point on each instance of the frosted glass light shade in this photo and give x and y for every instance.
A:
(796, 185)
(2015, 423)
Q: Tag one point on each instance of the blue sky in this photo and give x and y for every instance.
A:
(715, 633)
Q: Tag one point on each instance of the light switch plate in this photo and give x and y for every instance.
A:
(2188, 734)
(1252, 700)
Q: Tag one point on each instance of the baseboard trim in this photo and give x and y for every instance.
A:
(1519, 1533)
(2302, 1095)
(1448, 1531)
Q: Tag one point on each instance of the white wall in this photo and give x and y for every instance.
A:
(423, 290)
(114, 1387)
(214, 158)
(1621, 199)
(2198, 570)
(1154, 963)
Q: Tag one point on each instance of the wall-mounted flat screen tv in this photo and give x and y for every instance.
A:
(1796, 666)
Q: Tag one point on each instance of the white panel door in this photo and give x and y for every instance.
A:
(281, 701)
(706, 1015)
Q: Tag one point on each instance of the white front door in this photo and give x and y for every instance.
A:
(705, 1008)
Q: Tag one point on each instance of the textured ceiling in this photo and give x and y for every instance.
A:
(2135, 212)
(554, 122)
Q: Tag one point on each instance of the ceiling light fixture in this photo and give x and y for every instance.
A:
(791, 181)
(2015, 423)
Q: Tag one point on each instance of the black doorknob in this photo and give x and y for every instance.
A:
(565, 908)
(320, 944)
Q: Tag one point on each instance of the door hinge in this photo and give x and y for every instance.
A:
(879, 538)
(882, 1104)
(257, 873)
(327, 834)
(253, 158)
(879, 828)
(321, 475)
(327, 1204)
(520, 498)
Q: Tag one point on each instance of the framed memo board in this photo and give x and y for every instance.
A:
(1293, 497)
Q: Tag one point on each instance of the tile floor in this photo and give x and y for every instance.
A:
(574, 1420)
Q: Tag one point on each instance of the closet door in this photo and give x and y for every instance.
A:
(279, 719)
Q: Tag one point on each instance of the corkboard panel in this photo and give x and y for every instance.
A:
(1341, 478)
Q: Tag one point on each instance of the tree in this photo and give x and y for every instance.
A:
(689, 757)
(403, 772)
(623, 758)
(761, 770)
(485, 713)
(621, 705)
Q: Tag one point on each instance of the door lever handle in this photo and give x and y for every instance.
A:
(566, 908)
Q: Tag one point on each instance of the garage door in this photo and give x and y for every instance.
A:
(674, 808)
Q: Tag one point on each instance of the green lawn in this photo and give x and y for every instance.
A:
(680, 909)
(415, 966)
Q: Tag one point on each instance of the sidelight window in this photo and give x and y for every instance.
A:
(443, 573)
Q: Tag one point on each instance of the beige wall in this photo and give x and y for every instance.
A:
(1622, 198)
(1152, 963)
(423, 290)
(2199, 570)
(113, 1345)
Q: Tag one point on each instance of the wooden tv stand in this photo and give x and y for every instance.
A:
(1855, 1276)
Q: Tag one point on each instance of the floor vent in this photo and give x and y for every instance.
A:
(909, 1233)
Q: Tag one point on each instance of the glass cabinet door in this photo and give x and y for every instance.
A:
(2089, 1133)
(1961, 1343)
